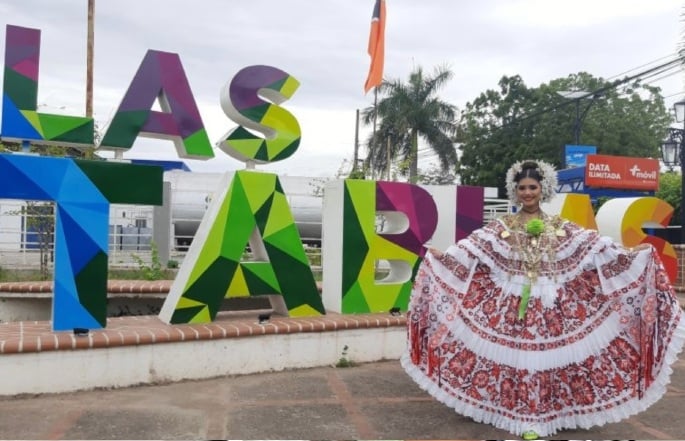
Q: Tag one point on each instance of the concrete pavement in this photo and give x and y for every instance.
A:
(368, 401)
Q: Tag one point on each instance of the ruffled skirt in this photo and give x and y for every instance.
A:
(595, 346)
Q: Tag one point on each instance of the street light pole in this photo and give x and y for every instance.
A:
(672, 154)
(576, 96)
(576, 127)
(682, 191)
(679, 108)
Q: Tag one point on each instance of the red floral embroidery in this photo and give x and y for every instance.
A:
(624, 355)
(599, 379)
(450, 327)
(481, 378)
(582, 390)
(508, 394)
(463, 363)
(553, 323)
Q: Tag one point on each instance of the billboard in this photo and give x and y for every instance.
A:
(622, 172)
(575, 155)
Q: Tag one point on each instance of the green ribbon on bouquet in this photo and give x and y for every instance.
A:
(534, 227)
(525, 295)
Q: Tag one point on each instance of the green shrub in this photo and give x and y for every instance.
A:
(343, 361)
(154, 270)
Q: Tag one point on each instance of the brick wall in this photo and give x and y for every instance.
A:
(680, 280)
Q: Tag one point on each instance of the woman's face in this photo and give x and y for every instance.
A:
(529, 192)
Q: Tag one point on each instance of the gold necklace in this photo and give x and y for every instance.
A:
(531, 246)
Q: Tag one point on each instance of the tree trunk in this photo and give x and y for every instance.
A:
(414, 160)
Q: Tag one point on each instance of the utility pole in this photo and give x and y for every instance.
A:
(89, 59)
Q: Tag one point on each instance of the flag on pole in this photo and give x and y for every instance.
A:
(376, 46)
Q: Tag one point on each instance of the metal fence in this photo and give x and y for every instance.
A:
(494, 208)
(131, 237)
(131, 234)
(27, 236)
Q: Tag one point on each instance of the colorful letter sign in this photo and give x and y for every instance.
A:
(215, 268)
(624, 218)
(369, 227)
(82, 192)
(160, 76)
(21, 120)
(240, 100)
(353, 246)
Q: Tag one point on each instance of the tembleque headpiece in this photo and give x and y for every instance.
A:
(546, 171)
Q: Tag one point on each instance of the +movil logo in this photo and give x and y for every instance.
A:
(635, 170)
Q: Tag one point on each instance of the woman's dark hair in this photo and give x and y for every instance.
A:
(529, 169)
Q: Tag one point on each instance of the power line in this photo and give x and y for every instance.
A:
(674, 69)
(668, 75)
(673, 94)
(674, 54)
(674, 62)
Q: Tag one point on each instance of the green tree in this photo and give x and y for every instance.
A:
(434, 175)
(39, 218)
(517, 122)
(86, 152)
(407, 112)
(670, 191)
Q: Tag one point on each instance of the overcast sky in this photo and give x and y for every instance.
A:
(323, 45)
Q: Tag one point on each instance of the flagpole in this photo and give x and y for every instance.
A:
(376, 49)
(373, 134)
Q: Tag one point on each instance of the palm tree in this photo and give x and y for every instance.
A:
(407, 111)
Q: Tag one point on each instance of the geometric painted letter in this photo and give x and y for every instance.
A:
(470, 203)
(623, 219)
(159, 77)
(352, 245)
(20, 118)
(241, 100)
(574, 207)
(250, 207)
(82, 192)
